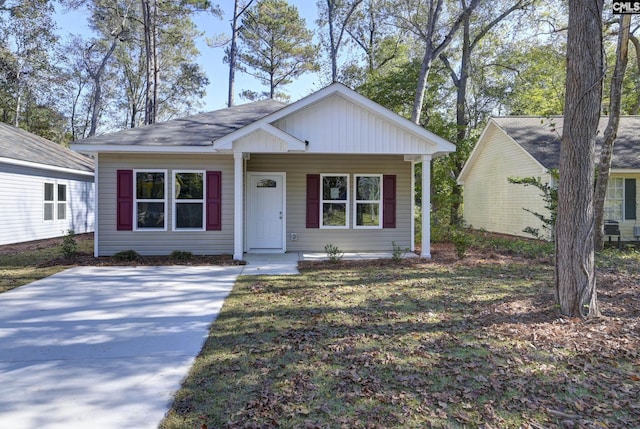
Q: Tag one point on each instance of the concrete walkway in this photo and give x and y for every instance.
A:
(104, 347)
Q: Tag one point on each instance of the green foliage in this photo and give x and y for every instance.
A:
(398, 252)
(69, 246)
(126, 256)
(334, 254)
(181, 255)
(534, 80)
(276, 45)
(549, 195)
(461, 241)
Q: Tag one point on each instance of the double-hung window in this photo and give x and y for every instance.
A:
(55, 201)
(334, 207)
(614, 201)
(62, 201)
(368, 201)
(189, 200)
(150, 200)
(49, 201)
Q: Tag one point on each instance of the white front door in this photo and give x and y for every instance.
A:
(266, 212)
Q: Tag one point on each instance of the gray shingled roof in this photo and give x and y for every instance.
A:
(197, 130)
(541, 138)
(21, 145)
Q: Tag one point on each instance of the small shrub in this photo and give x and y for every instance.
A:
(181, 255)
(333, 252)
(461, 242)
(126, 256)
(69, 244)
(398, 252)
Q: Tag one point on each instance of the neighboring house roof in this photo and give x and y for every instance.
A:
(540, 137)
(261, 126)
(18, 146)
(197, 130)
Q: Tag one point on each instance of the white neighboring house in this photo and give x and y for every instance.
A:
(45, 189)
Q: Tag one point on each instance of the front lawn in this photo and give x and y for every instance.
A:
(443, 344)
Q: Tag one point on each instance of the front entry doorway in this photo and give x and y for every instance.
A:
(266, 214)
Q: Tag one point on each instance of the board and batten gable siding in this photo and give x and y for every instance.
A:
(22, 196)
(298, 166)
(111, 241)
(337, 125)
(490, 201)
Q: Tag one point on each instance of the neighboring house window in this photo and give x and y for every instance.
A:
(335, 201)
(620, 201)
(614, 200)
(150, 200)
(49, 201)
(189, 200)
(62, 202)
(368, 201)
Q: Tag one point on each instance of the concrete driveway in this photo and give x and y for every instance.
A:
(104, 347)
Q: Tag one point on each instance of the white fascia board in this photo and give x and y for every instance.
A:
(293, 143)
(90, 148)
(20, 163)
(624, 171)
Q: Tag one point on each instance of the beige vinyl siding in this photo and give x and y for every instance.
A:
(340, 126)
(490, 201)
(163, 242)
(298, 166)
(22, 196)
(626, 226)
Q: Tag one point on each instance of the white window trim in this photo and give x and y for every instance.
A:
(176, 201)
(136, 200)
(356, 202)
(347, 202)
(52, 202)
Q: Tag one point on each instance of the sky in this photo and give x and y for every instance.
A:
(211, 58)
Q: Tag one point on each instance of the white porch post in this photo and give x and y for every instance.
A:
(413, 206)
(426, 206)
(238, 200)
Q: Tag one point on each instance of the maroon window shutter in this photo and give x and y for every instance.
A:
(389, 201)
(124, 216)
(214, 201)
(313, 201)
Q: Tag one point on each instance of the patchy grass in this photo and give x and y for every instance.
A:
(26, 262)
(473, 343)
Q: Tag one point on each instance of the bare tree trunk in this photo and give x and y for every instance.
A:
(610, 133)
(575, 277)
(233, 50)
(148, 19)
(96, 102)
(432, 51)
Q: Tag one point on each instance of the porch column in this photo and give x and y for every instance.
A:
(238, 212)
(426, 206)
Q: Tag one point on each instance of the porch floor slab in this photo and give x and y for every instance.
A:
(282, 264)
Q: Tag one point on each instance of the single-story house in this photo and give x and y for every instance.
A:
(332, 168)
(45, 188)
(529, 147)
